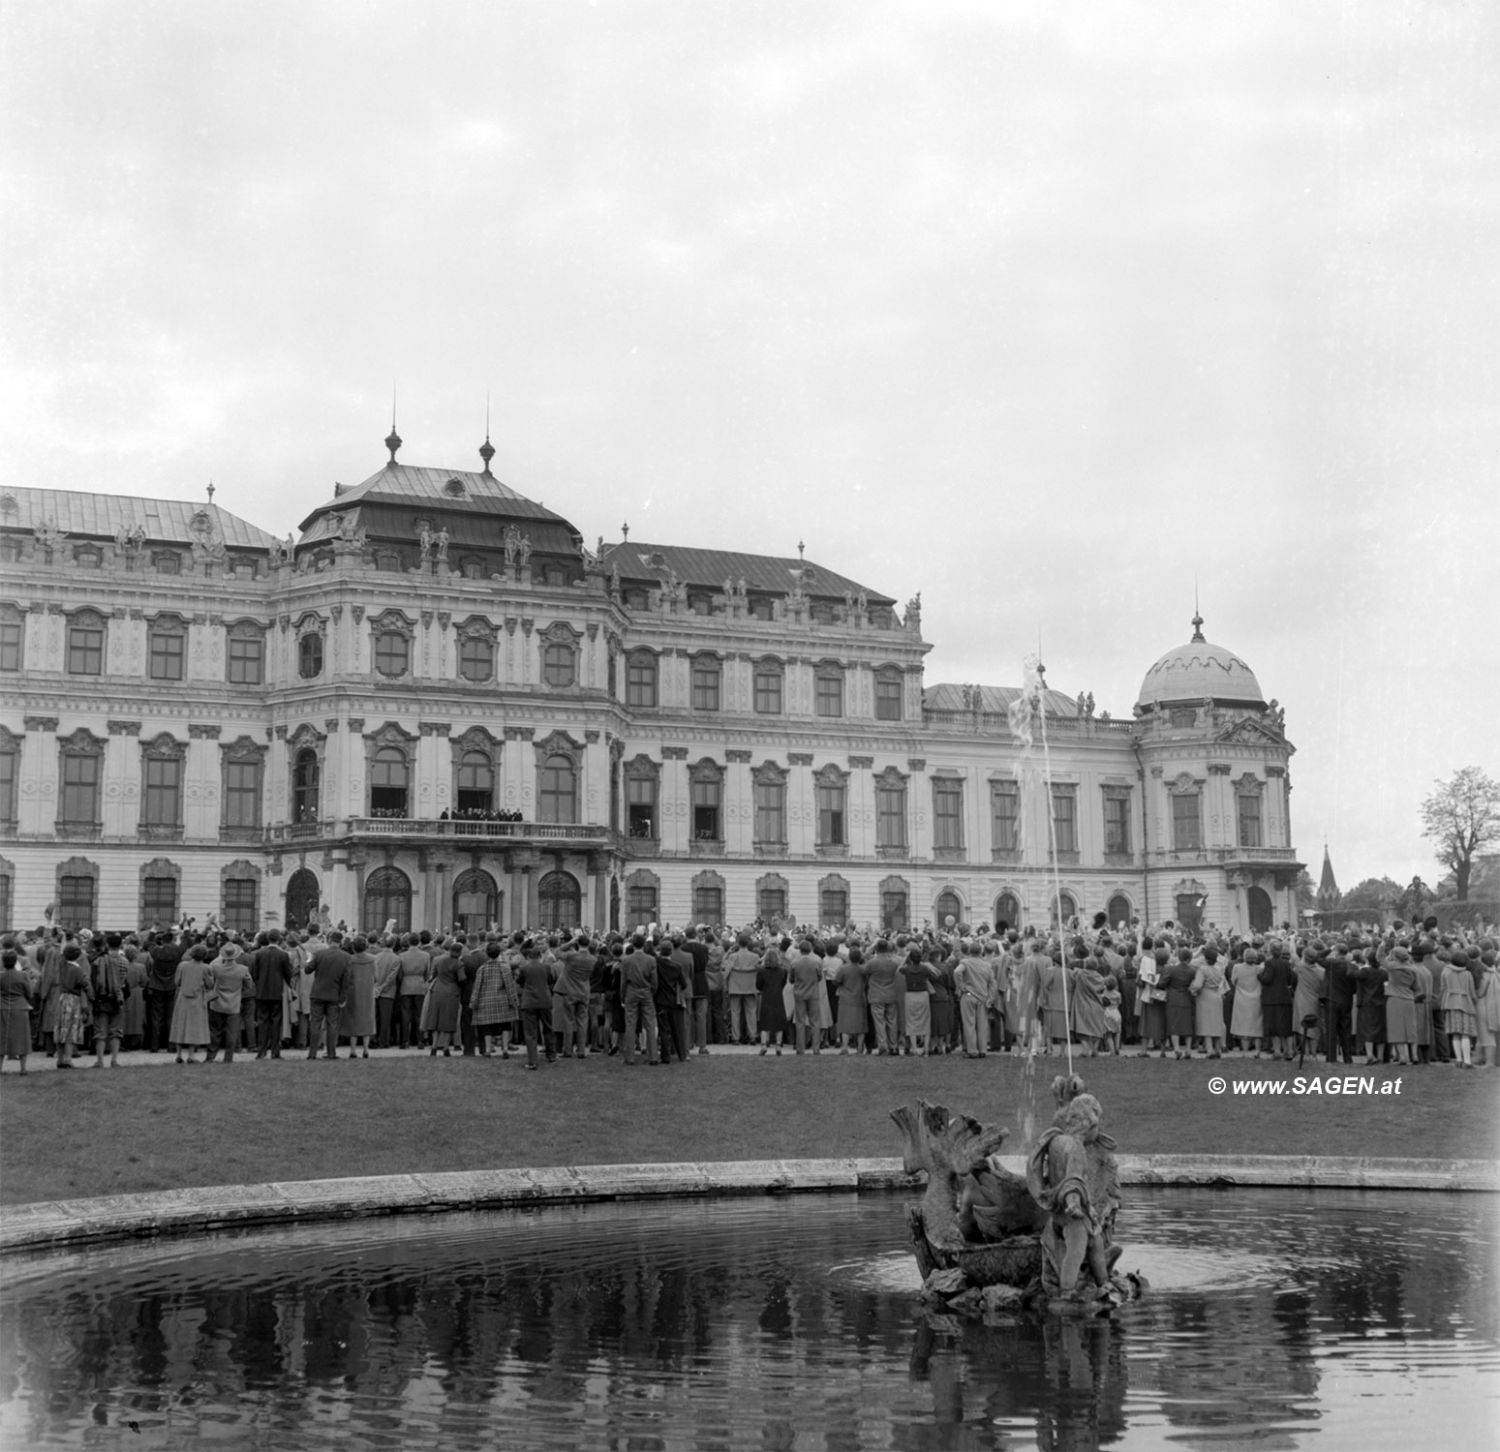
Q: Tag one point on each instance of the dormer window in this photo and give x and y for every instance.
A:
(454, 488)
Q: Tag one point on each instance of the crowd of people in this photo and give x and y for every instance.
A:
(1401, 993)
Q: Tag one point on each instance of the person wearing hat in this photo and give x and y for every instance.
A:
(1401, 1004)
(228, 982)
(1460, 1011)
(1369, 1011)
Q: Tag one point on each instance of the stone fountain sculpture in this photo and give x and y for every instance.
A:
(988, 1240)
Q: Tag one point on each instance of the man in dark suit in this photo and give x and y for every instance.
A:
(330, 987)
(1339, 1006)
(273, 973)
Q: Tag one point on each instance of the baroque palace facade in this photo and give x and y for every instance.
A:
(437, 706)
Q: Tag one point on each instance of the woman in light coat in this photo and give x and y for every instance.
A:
(189, 1030)
(1208, 987)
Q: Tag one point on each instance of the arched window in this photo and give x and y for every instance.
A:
(832, 792)
(392, 653)
(1064, 908)
(557, 797)
(310, 654)
(476, 658)
(1120, 911)
(305, 780)
(895, 910)
(947, 906)
(302, 898)
(769, 676)
(476, 782)
(640, 679)
(769, 783)
(389, 779)
(558, 901)
(476, 901)
(771, 897)
(708, 898)
(833, 901)
(1007, 911)
(86, 644)
(387, 897)
(642, 897)
(706, 784)
(166, 648)
(559, 663)
(642, 786)
(707, 677)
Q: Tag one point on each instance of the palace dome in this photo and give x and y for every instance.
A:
(1197, 671)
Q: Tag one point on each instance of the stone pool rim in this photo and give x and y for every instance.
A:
(64, 1224)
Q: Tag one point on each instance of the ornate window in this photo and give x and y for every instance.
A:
(833, 901)
(77, 893)
(1247, 800)
(642, 787)
(559, 655)
(640, 679)
(706, 788)
(1064, 908)
(245, 661)
(559, 759)
(1005, 816)
(708, 675)
(771, 897)
(476, 658)
(166, 562)
(559, 901)
(310, 648)
(761, 607)
(831, 787)
(303, 895)
(1065, 819)
(948, 910)
(391, 645)
(12, 638)
(476, 649)
(10, 763)
(828, 684)
(642, 897)
(474, 782)
(471, 567)
(387, 900)
(80, 769)
(1007, 911)
(476, 901)
(895, 905)
(242, 766)
(1117, 821)
(1120, 910)
(708, 898)
(890, 810)
(88, 557)
(86, 644)
(162, 762)
(889, 694)
(1187, 816)
(307, 774)
(948, 814)
(769, 782)
(390, 782)
(160, 882)
(166, 648)
(770, 676)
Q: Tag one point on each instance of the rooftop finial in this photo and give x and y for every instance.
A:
(393, 439)
(800, 549)
(1197, 616)
(486, 449)
(210, 491)
(625, 533)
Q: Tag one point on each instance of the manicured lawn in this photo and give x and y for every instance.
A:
(101, 1132)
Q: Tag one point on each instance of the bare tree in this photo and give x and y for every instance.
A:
(1462, 817)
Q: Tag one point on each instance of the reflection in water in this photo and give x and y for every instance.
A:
(1286, 1317)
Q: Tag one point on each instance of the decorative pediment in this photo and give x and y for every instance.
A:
(1183, 784)
(833, 883)
(309, 623)
(644, 877)
(641, 768)
(395, 621)
(1249, 785)
(559, 743)
(478, 627)
(164, 747)
(476, 738)
(708, 879)
(831, 776)
(560, 633)
(81, 742)
(1247, 730)
(891, 777)
(705, 769)
(306, 735)
(768, 773)
(390, 733)
(242, 749)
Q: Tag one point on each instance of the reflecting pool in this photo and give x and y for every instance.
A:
(1279, 1318)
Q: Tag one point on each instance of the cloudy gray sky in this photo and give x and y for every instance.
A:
(1041, 310)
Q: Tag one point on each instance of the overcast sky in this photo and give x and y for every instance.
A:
(1042, 310)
